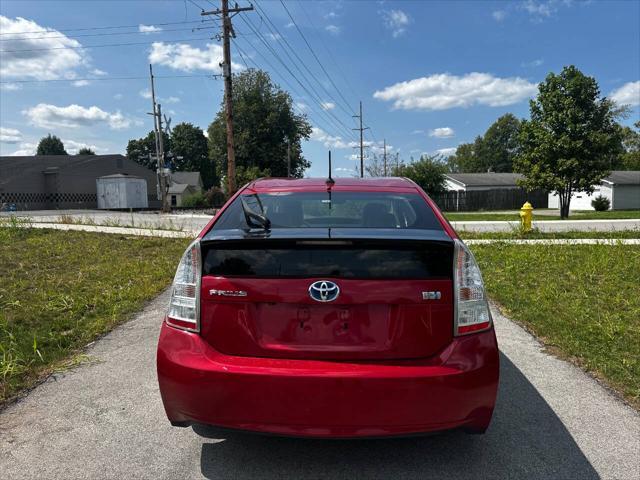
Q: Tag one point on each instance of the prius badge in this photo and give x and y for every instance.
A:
(324, 291)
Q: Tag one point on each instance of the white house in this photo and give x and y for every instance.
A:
(466, 182)
(183, 185)
(621, 187)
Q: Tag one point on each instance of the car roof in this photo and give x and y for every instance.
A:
(340, 183)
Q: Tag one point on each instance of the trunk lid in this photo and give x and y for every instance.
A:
(395, 296)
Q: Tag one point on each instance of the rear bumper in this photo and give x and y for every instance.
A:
(311, 398)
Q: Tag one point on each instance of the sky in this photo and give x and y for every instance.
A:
(430, 74)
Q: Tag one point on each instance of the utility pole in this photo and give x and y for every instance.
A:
(385, 156)
(361, 141)
(161, 171)
(288, 158)
(227, 33)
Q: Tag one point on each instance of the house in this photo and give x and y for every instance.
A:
(65, 181)
(183, 185)
(621, 187)
(481, 181)
(487, 191)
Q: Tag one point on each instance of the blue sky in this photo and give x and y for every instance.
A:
(430, 74)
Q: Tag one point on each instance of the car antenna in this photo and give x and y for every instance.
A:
(330, 181)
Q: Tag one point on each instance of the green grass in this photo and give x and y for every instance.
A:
(516, 234)
(583, 301)
(61, 290)
(577, 215)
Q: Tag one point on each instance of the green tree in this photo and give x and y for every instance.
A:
(51, 145)
(500, 144)
(140, 150)
(629, 159)
(569, 142)
(492, 152)
(263, 123)
(190, 152)
(428, 172)
(85, 151)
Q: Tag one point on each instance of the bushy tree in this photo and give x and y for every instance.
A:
(140, 150)
(189, 149)
(263, 123)
(571, 138)
(51, 145)
(492, 152)
(428, 172)
(85, 151)
(629, 159)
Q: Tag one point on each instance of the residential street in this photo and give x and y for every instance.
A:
(194, 222)
(105, 420)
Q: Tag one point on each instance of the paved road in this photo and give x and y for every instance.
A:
(105, 420)
(194, 222)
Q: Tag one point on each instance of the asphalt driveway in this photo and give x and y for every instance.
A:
(105, 420)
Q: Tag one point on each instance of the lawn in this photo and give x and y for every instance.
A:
(61, 290)
(582, 301)
(534, 234)
(514, 217)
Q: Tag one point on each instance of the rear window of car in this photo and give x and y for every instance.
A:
(333, 210)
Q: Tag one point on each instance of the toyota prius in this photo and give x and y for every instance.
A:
(335, 308)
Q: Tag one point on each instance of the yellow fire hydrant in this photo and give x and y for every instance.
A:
(526, 217)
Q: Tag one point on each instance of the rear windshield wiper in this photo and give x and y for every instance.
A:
(253, 218)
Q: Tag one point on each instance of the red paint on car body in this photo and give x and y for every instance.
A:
(381, 360)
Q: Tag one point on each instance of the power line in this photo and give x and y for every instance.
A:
(102, 45)
(332, 118)
(278, 36)
(245, 56)
(105, 34)
(107, 78)
(52, 30)
(313, 52)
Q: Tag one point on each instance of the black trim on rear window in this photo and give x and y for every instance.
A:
(358, 259)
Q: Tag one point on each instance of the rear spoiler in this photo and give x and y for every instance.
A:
(391, 234)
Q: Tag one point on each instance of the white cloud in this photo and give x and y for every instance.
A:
(327, 140)
(181, 56)
(98, 72)
(443, 91)
(539, 9)
(328, 105)
(10, 87)
(145, 93)
(290, 25)
(303, 107)
(397, 21)
(26, 149)
(446, 152)
(417, 132)
(73, 116)
(628, 94)
(170, 100)
(72, 147)
(274, 36)
(333, 29)
(534, 63)
(148, 28)
(499, 15)
(118, 96)
(442, 132)
(23, 55)
(80, 83)
(10, 135)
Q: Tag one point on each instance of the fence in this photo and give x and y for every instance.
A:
(496, 199)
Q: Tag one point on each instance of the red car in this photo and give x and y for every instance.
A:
(329, 308)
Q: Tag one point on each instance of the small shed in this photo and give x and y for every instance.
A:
(121, 191)
(621, 187)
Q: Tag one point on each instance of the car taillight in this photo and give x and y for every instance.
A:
(471, 307)
(184, 306)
